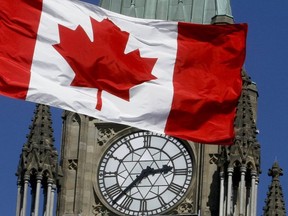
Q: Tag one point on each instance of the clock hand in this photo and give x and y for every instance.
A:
(144, 174)
(164, 169)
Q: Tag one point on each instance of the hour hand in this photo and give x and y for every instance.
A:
(165, 169)
(151, 171)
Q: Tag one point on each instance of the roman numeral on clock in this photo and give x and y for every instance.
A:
(143, 205)
(109, 174)
(147, 141)
(180, 171)
(126, 202)
(175, 188)
(113, 190)
(129, 146)
(161, 200)
(176, 156)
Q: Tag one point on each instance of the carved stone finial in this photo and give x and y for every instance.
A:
(275, 172)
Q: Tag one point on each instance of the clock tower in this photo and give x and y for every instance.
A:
(112, 169)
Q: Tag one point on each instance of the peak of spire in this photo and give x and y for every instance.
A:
(274, 203)
(41, 131)
(275, 172)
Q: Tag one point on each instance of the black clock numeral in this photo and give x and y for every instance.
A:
(126, 202)
(161, 200)
(175, 188)
(176, 156)
(129, 146)
(113, 190)
(180, 171)
(147, 141)
(110, 174)
(143, 205)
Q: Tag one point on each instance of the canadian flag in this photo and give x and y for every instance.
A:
(177, 78)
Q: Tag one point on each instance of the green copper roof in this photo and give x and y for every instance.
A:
(196, 11)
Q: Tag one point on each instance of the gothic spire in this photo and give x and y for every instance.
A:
(39, 156)
(245, 124)
(246, 149)
(274, 203)
(38, 165)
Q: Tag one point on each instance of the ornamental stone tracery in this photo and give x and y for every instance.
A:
(104, 134)
(72, 164)
(186, 207)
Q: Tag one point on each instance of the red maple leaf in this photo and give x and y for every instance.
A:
(102, 63)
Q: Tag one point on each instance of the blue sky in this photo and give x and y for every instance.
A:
(266, 63)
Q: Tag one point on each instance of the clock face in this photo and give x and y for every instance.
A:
(144, 173)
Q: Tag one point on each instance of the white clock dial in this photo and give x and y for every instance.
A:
(144, 173)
